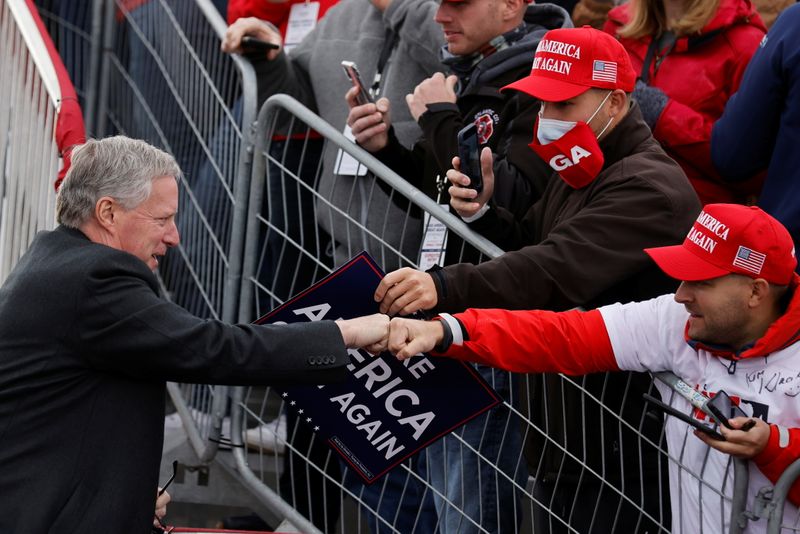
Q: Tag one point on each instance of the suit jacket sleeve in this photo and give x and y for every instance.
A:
(126, 328)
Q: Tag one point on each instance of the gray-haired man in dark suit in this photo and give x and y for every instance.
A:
(86, 346)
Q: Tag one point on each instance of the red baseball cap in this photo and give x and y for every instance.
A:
(570, 61)
(730, 238)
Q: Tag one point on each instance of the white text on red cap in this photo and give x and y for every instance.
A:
(550, 64)
(706, 242)
(559, 48)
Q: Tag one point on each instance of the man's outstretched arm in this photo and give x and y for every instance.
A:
(572, 342)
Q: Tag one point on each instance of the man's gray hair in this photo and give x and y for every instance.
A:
(118, 167)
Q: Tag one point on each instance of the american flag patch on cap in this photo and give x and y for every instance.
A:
(604, 71)
(749, 260)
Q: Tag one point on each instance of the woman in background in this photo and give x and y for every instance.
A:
(691, 55)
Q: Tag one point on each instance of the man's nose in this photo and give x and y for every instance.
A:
(442, 14)
(683, 294)
(172, 238)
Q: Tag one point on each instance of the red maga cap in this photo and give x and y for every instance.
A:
(569, 61)
(730, 238)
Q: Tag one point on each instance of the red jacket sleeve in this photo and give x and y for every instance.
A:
(774, 459)
(572, 342)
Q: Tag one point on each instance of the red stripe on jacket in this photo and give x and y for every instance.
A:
(573, 342)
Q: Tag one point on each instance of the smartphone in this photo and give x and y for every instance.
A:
(252, 45)
(469, 152)
(722, 408)
(669, 410)
(351, 70)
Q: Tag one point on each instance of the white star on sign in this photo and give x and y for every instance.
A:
(316, 428)
(308, 419)
(300, 410)
(292, 403)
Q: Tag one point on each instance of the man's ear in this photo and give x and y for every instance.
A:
(514, 9)
(105, 211)
(618, 103)
(760, 292)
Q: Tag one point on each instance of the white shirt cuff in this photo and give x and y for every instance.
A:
(481, 212)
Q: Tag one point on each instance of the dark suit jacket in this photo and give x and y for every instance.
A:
(86, 346)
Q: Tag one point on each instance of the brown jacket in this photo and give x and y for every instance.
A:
(583, 247)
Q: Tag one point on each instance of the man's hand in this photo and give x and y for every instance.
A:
(369, 122)
(370, 332)
(739, 443)
(406, 291)
(161, 507)
(434, 90)
(232, 42)
(409, 337)
(464, 200)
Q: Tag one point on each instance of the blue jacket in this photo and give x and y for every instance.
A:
(760, 128)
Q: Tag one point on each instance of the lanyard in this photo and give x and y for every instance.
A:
(664, 45)
(389, 44)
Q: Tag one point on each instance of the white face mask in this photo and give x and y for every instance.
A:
(553, 129)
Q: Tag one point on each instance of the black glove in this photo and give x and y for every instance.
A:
(651, 101)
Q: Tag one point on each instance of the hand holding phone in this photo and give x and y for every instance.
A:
(669, 410)
(722, 408)
(351, 70)
(469, 152)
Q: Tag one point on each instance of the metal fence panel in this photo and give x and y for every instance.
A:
(287, 250)
(29, 154)
(565, 483)
(75, 28)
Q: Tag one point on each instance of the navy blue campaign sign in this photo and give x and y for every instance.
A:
(386, 410)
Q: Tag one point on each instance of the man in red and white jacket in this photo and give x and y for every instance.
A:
(732, 325)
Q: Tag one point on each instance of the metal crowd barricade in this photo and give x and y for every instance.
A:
(164, 79)
(39, 119)
(295, 236)
(775, 498)
(76, 30)
(288, 248)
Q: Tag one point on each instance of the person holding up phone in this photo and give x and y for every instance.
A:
(488, 45)
(732, 325)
